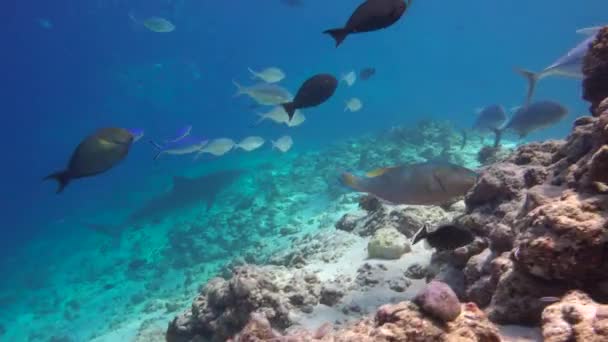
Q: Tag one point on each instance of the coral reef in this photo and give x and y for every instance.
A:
(575, 318)
(224, 307)
(595, 71)
(543, 211)
(387, 243)
(438, 300)
(399, 322)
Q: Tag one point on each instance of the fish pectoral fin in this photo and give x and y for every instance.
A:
(379, 172)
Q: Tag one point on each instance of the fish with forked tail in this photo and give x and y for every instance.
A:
(569, 65)
(97, 153)
(313, 92)
(370, 16)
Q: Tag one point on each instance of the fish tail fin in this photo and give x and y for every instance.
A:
(420, 234)
(351, 181)
(62, 178)
(532, 78)
(345, 106)
(497, 137)
(254, 74)
(261, 118)
(159, 149)
(274, 144)
(240, 90)
(338, 35)
(290, 109)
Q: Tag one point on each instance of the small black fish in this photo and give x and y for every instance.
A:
(313, 92)
(96, 154)
(446, 237)
(370, 16)
(366, 73)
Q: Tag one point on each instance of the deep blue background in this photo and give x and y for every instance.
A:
(444, 59)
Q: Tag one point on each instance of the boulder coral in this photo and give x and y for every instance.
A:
(595, 71)
(387, 243)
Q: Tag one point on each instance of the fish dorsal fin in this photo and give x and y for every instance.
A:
(379, 172)
(589, 31)
(180, 182)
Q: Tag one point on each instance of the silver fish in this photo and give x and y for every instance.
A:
(570, 65)
(186, 145)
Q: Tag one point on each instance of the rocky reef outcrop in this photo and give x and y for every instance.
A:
(595, 70)
(225, 306)
(576, 317)
(544, 214)
(399, 322)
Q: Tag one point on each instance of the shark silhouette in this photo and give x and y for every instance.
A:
(185, 193)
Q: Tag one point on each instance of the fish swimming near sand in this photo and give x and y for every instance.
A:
(569, 65)
(297, 120)
(185, 193)
(370, 16)
(313, 92)
(490, 118)
(429, 183)
(533, 117)
(353, 105)
(349, 78)
(268, 75)
(187, 145)
(276, 114)
(445, 237)
(250, 143)
(265, 94)
(283, 144)
(218, 147)
(97, 153)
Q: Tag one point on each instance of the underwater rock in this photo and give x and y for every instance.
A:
(331, 294)
(416, 271)
(388, 243)
(576, 317)
(438, 300)
(393, 322)
(595, 71)
(369, 203)
(544, 212)
(407, 219)
(225, 306)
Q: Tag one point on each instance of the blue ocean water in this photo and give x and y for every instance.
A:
(70, 67)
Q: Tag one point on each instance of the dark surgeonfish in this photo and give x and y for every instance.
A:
(446, 237)
(430, 183)
(370, 16)
(96, 154)
(366, 73)
(184, 193)
(312, 92)
(533, 117)
(490, 118)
